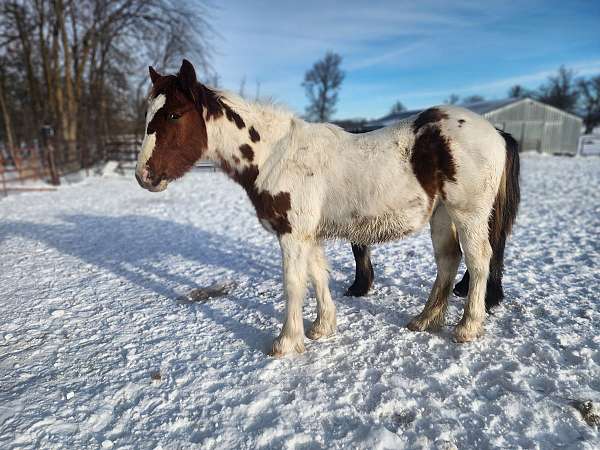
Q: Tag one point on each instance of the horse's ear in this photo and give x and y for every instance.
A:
(154, 75)
(187, 75)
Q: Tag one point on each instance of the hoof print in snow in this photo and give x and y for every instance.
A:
(156, 376)
(588, 411)
(404, 418)
(203, 294)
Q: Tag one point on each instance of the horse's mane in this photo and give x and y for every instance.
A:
(265, 107)
(218, 102)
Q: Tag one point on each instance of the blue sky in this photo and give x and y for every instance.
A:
(417, 52)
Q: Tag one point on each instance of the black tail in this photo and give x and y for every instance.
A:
(502, 219)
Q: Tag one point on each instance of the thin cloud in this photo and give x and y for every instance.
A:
(581, 68)
(428, 49)
(383, 58)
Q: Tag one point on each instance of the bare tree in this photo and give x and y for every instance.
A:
(242, 91)
(560, 90)
(257, 92)
(6, 117)
(452, 99)
(590, 102)
(81, 66)
(397, 107)
(472, 99)
(322, 83)
(518, 91)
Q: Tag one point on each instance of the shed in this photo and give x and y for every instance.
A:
(535, 125)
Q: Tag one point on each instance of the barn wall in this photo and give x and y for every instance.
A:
(538, 127)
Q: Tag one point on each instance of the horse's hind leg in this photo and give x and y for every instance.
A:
(447, 258)
(473, 234)
(363, 279)
(325, 323)
(494, 292)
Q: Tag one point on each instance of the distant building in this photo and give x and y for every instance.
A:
(535, 125)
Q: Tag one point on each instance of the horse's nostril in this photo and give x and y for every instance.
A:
(157, 181)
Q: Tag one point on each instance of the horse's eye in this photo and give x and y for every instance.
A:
(173, 116)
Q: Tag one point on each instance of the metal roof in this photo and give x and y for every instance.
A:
(478, 107)
(482, 108)
(487, 106)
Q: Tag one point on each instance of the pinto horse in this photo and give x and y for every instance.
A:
(311, 182)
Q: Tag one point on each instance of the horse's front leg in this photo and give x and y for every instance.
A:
(295, 253)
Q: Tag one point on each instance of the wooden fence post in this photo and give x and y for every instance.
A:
(2, 162)
(48, 142)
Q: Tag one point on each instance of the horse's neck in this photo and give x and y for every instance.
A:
(238, 144)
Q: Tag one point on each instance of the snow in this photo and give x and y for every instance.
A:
(100, 347)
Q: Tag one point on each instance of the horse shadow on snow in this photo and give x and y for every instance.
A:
(133, 246)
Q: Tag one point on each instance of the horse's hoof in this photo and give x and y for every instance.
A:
(284, 345)
(416, 325)
(464, 333)
(426, 324)
(320, 330)
(357, 291)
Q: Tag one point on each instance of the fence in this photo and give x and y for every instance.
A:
(20, 167)
(125, 152)
(589, 145)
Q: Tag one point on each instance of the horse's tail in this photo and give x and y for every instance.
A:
(502, 218)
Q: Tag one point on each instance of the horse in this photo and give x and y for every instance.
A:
(309, 182)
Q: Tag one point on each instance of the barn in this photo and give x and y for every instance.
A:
(535, 125)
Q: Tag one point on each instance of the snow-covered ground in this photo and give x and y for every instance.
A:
(98, 349)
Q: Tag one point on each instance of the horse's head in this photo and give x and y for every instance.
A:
(175, 128)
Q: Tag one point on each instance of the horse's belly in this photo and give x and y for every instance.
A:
(378, 209)
(372, 229)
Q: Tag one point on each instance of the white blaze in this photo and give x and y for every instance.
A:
(150, 139)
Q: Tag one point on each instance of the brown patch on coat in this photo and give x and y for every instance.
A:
(272, 208)
(235, 159)
(247, 152)
(460, 122)
(234, 117)
(429, 116)
(254, 136)
(432, 161)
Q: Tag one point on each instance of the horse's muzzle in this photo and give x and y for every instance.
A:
(150, 183)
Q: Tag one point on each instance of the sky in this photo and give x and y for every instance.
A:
(417, 52)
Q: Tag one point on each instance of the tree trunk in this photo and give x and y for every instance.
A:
(49, 109)
(27, 61)
(8, 128)
(70, 102)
